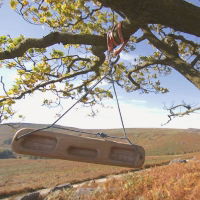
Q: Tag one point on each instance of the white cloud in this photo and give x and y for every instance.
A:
(128, 57)
(33, 111)
(9, 77)
(138, 101)
(134, 115)
(191, 121)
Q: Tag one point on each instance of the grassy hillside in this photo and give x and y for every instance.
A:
(155, 141)
(25, 175)
(172, 182)
(22, 175)
(164, 141)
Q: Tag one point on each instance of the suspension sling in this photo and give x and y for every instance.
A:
(98, 148)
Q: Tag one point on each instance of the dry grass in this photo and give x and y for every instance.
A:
(161, 145)
(20, 175)
(172, 182)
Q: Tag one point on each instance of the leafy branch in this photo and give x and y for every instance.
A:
(51, 39)
(175, 111)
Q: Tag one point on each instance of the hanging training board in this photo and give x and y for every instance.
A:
(84, 149)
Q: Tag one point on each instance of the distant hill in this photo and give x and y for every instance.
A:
(7, 131)
(156, 141)
(193, 130)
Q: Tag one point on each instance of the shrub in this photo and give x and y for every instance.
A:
(6, 154)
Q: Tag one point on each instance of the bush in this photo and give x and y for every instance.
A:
(7, 141)
(6, 154)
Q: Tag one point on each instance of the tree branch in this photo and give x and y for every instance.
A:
(164, 12)
(3, 85)
(160, 45)
(196, 59)
(42, 85)
(173, 111)
(51, 39)
(183, 39)
(142, 66)
(186, 69)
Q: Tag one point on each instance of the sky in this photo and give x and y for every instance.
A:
(138, 110)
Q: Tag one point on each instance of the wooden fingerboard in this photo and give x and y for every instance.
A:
(78, 148)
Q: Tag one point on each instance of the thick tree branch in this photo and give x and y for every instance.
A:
(186, 69)
(160, 45)
(178, 14)
(51, 39)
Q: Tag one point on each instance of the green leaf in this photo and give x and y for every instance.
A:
(13, 4)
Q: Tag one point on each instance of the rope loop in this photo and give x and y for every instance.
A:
(112, 43)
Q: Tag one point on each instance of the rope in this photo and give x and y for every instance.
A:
(102, 135)
(118, 106)
(111, 52)
(111, 43)
(50, 126)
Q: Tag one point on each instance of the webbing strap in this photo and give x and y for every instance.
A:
(112, 43)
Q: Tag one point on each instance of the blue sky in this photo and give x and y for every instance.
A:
(139, 110)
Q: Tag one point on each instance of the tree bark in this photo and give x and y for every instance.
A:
(174, 60)
(51, 39)
(177, 14)
(187, 71)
